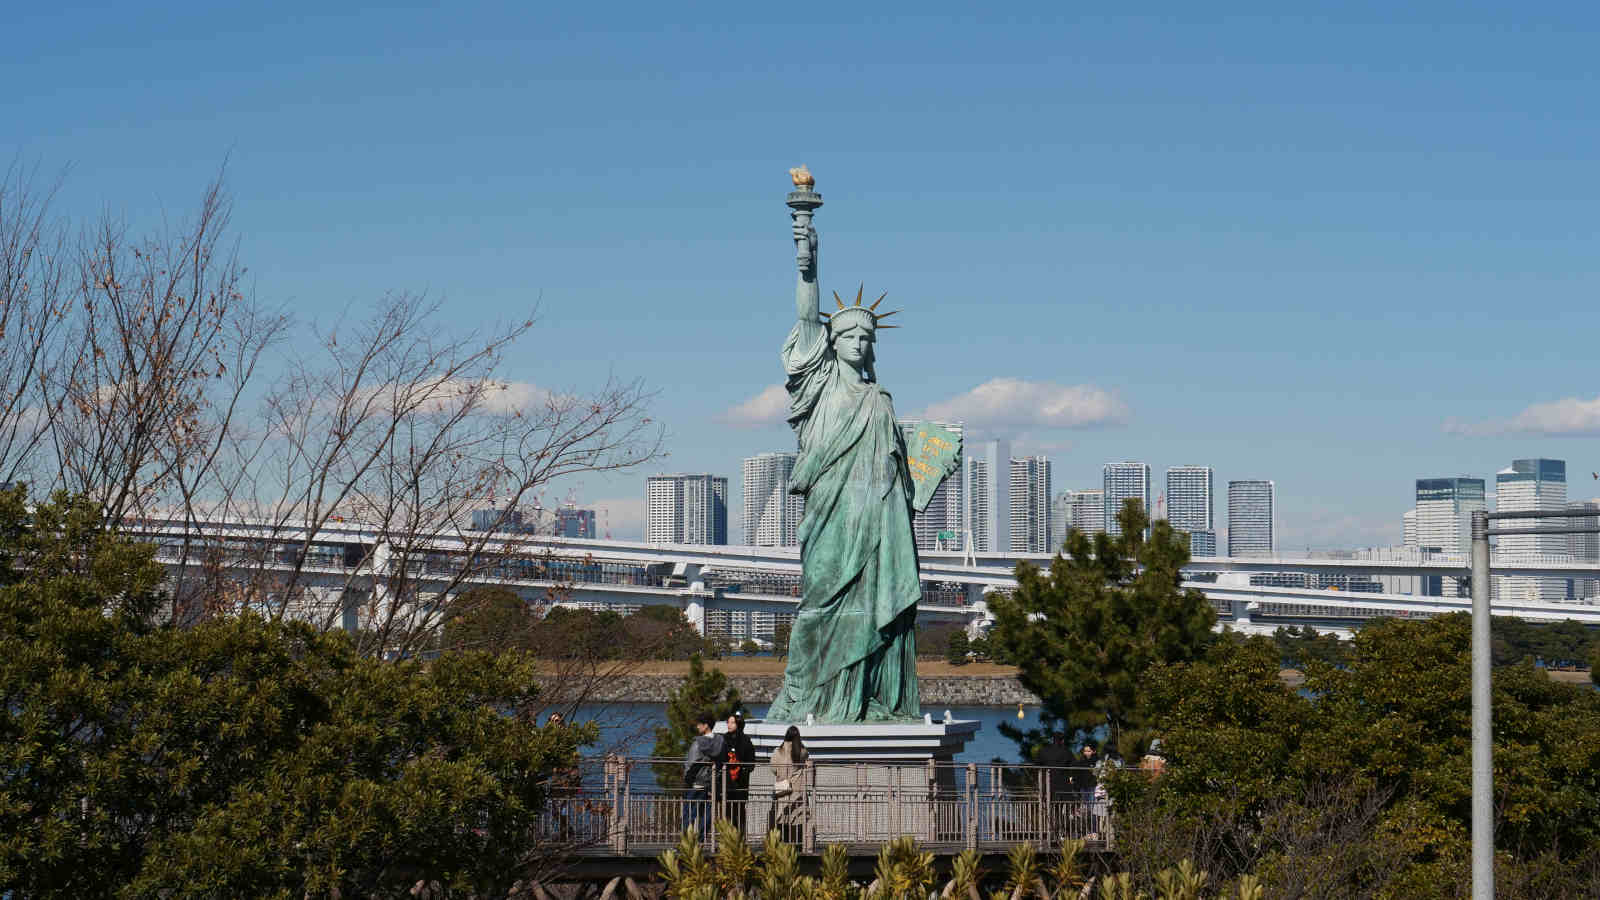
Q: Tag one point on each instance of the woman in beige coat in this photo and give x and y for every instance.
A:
(789, 773)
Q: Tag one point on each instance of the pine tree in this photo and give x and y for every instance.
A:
(703, 690)
(1084, 633)
(955, 652)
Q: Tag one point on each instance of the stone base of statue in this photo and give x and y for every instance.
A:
(933, 739)
(871, 781)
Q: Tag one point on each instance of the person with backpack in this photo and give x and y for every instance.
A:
(699, 768)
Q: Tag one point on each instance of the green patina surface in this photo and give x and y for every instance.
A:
(852, 655)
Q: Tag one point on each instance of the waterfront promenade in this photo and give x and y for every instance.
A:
(634, 807)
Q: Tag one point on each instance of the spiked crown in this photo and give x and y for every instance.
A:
(846, 317)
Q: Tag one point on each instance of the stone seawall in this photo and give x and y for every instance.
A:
(937, 690)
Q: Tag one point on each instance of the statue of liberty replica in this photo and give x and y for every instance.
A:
(852, 649)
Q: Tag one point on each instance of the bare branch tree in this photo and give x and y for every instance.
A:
(407, 431)
(131, 371)
(34, 304)
(147, 397)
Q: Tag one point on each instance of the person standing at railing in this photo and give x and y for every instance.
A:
(740, 756)
(1055, 761)
(1089, 789)
(790, 766)
(699, 773)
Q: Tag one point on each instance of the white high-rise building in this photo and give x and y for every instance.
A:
(986, 487)
(1443, 524)
(1124, 481)
(1585, 547)
(1252, 518)
(686, 509)
(1088, 510)
(1408, 528)
(1030, 505)
(1532, 485)
(1190, 507)
(942, 522)
(771, 513)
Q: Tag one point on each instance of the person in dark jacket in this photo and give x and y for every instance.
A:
(1055, 761)
(740, 758)
(699, 768)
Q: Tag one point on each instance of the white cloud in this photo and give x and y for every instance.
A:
(488, 397)
(1015, 402)
(1571, 416)
(769, 407)
(620, 517)
(494, 398)
(508, 397)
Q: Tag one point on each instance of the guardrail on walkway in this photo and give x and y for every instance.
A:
(638, 807)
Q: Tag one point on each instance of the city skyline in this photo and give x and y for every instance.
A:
(1442, 528)
(1107, 282)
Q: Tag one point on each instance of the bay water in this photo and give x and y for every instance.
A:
(629, 728)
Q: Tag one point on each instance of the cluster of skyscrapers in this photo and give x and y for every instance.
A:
(997, 502)
(1440, 522)
(1188, 503)
(563, 521)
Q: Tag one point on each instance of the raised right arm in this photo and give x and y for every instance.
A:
(806, 293)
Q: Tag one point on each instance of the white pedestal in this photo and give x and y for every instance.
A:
(899, 742)
(871, 781)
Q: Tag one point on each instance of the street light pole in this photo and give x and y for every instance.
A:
(1482, 726)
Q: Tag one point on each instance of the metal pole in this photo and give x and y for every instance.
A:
(1482, 727)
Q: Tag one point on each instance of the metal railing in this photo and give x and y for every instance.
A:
(631, 806)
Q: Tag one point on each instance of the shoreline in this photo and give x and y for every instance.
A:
(757, 680)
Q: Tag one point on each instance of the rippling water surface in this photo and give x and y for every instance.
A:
(629, 728)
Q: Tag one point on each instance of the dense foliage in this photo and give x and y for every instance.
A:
(1084, 633)
(904, 870)
(1359, 783)
(1298, 645)
(241, 757)
(1558, 644)
(497, 619)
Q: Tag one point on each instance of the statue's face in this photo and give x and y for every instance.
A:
(853, 345)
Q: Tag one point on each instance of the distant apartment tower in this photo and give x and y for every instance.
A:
(1442, 523)
(686, 509)
(1532, 485)
(1060, 519)
(771, 513)
(1087, 510)
(1585, 548)
(573, 522)
(1190, 507)
(986, 487)
(1123, 481)
(945, 511)
(1030, 505)
(1252, 518)
(1408, 528)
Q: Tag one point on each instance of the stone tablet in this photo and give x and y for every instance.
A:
(932, 455)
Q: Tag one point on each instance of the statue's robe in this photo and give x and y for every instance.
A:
(852, 650)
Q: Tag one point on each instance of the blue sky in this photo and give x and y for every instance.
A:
(1338, 247)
